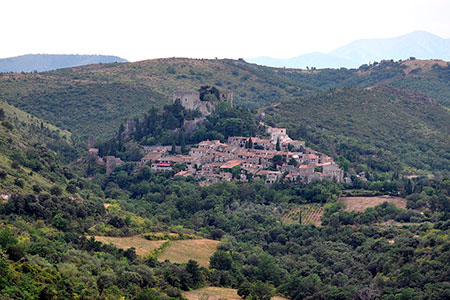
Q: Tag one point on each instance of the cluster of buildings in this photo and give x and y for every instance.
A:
(275, 158)
(246, 158)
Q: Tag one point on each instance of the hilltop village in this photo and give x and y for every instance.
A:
(241, 158)
(272, 157)
(245, 158)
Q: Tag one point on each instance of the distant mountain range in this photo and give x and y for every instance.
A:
(47, 62)
(418, 44)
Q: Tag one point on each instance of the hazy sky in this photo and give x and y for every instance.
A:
(138, 30)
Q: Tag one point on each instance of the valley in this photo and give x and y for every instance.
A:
(192, 178)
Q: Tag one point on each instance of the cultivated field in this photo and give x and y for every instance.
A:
(361, 203)
(216, 293)
(199, 250)
(142, 245)
(310, 214)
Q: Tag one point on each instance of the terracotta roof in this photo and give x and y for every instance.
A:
(163, 165)
(151, 156)
(231, 164)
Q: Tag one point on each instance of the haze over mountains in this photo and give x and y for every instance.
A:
(47, 62)
(419, 44)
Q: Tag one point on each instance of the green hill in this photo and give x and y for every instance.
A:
(47, 248)
(31, 151)
(384, 127)
(94, 99)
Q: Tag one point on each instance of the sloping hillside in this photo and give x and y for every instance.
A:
(94, 99)
(385, 127)
(30, 152)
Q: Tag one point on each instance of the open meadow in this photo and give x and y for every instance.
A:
(360, 204)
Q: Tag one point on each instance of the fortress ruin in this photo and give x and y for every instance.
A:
(192, 101)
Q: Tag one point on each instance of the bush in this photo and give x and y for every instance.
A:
(56, 190)
(7, 125)
(19, 182)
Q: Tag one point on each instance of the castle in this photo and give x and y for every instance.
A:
(192, 101)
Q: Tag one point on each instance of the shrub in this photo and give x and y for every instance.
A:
(56, 190)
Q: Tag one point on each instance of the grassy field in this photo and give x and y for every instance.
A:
(142, 245)
(199, 250)
(361, 203)
(180, 251)
(215, 293)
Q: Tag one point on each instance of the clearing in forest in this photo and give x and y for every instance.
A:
(360, 204)
(141, 245)
(182, 251)
(216, 293)
(304, 214)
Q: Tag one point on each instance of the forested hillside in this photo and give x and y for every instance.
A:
(33, 153)
(384, 128)
(87, 100)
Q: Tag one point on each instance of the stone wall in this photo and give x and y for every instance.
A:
(191, 101)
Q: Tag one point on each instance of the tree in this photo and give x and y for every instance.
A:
(7, 238)
(148, 294)
(130, 254)
(193, 269)
(2, 114)
(15, 252)
(104, 281)
(221, 260)
(278, 147)
(60, 222)
(174, 148)
(183, 142)
(260, 291)
(293, 162)
(244, 289)
(56, 190)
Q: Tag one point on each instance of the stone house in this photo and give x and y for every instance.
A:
(161, 167)
(111, 163)
(237, 141)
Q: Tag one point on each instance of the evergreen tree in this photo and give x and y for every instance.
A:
(183, 142)
(278, 145)
(174, 148)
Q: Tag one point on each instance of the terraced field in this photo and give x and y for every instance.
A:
(304, 214)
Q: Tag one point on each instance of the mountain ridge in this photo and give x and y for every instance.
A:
(48, 62)
(419, 44)
(93, 100)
